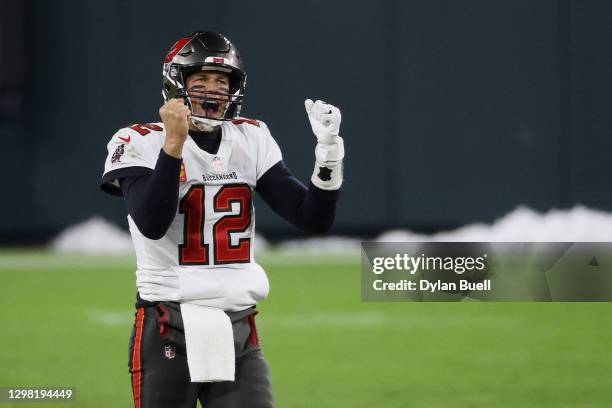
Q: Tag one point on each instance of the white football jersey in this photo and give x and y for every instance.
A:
(207, 254)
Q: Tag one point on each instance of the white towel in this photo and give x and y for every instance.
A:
(210, 343)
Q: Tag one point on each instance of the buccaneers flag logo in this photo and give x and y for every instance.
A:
(175, 49)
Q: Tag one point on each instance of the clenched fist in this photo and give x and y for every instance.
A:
(324, 120)
(175, 115)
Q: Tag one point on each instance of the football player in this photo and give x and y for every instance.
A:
(188, 183)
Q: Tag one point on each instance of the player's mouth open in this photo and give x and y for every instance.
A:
(211, 107)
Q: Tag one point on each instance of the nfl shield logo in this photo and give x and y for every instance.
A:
(217, 162)
(170, 352)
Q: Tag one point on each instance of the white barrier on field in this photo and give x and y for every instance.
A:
(580, 224)
(94, 236)
(98, 236)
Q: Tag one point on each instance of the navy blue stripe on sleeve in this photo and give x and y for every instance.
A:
(152, 199)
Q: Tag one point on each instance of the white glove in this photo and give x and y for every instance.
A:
(325, 122)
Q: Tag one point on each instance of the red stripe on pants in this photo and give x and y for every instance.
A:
(253, 338)
(136, 363)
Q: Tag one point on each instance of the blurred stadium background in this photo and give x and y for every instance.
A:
(453, 112)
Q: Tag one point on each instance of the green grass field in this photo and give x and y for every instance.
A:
(66, 322)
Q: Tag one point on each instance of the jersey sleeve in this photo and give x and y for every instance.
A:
(129, 154)
(268, 152)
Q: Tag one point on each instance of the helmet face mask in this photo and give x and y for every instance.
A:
(205, 51)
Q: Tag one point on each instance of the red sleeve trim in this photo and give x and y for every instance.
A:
(240, 121)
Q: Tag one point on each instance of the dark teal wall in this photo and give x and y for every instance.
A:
(452, 111)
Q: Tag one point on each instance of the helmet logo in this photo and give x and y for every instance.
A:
(176, 48)
(218, 60)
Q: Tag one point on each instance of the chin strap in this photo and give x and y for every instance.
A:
(205, 125)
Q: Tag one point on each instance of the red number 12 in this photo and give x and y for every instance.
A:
(193, 250)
